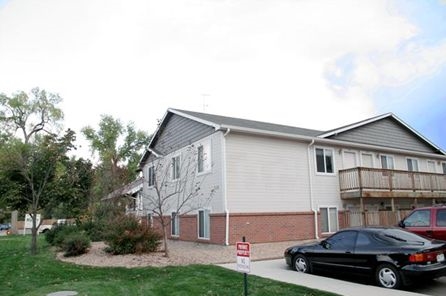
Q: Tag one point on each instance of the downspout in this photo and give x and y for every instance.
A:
(225, 198)
(310, 179)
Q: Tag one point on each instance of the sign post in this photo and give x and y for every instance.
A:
(244, 261)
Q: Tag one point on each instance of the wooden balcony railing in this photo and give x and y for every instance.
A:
(370, 182)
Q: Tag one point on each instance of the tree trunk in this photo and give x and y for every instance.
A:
(34, 235)
(166, 249)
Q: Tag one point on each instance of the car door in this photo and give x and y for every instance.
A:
(337, 252)
(420, 222)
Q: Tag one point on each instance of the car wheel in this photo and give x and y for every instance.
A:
(301, 264)
(388, 276)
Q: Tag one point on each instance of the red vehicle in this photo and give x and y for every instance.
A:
(427, 221)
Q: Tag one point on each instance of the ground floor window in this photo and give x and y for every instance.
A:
(175, 222)
(329, 219)
(204, 222)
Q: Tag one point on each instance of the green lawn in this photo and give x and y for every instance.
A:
(22, 274)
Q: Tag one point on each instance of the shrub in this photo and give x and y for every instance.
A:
(55, 235)
(127, 236)
(75, 244)
(94, 230)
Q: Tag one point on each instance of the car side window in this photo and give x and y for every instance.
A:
(344, 240)
(441, 217)
(362, 241)
(421, 218)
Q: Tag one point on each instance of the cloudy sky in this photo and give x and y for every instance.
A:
(307, 63)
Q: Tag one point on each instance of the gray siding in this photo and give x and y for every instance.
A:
(178, 132)
(388, 133)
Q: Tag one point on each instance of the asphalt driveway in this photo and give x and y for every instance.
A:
(278, 270)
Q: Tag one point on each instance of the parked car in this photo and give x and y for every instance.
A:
(390, 255)
(5, 229)
(427, 221)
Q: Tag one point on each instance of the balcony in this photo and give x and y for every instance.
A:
(361, 182)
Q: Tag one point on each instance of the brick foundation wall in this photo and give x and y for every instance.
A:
(256, 227)
(271, 227)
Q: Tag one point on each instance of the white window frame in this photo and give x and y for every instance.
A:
(443, 167)
(362, 158)
(150, 219)
(206, 158)
(387, 156)
(175, 169)
(206, 223)
(151, 176)
(325, 164)
(330, 227)
(434, 166)
(413, 161)
(174, 224)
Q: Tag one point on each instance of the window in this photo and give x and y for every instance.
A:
(204, 224)
(421, 218)
(387, 162)
(443, 165)
(175, 167)
(151, 176)
(412, 165)
(431, 166)
(175, 222)
(150, 219)
(342, 241)
(204, 158)
(329, 217)
(324, 160)
(441, 217)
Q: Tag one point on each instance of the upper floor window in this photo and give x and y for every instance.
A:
(324, 161)
(151, 176)
(387, 162)
(176, 167)
(412, 165)
(443, 166)
(204, 158)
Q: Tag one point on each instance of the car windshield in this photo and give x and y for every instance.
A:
(397, 236)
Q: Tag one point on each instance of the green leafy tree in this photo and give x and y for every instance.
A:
(30, 114)
(119, 148)
(29, 172)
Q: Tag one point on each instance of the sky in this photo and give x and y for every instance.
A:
(307, 63)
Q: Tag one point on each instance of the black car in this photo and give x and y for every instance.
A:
(392, 256)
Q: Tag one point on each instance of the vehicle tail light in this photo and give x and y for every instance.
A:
(423, 257)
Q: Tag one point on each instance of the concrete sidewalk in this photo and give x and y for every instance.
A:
(278, 270)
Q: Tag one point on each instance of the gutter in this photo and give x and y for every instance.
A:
(310, 179)
(225, 198)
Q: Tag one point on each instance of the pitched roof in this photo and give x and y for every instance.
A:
(234, 123)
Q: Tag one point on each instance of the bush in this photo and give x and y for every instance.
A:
(94, 230)
(75, 244)
(127, 236)
(55, 235)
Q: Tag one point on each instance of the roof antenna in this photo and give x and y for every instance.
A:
(204, 101)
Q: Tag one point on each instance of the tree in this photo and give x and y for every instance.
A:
(176, 188)
(30, 114)
(118, 162)
(29, 174)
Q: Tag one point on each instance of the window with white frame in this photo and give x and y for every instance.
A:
(204, 222)
(176, 167)
(324, 161)
(443, 166)
(150, 219)
(204, 157)
(329, 219)
(412, 165)
(175, 223)
(151, 176)
(431, 166)
(387, 162)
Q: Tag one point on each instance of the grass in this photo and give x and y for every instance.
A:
(23, 274)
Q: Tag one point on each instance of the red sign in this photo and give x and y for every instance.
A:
(243, 257)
